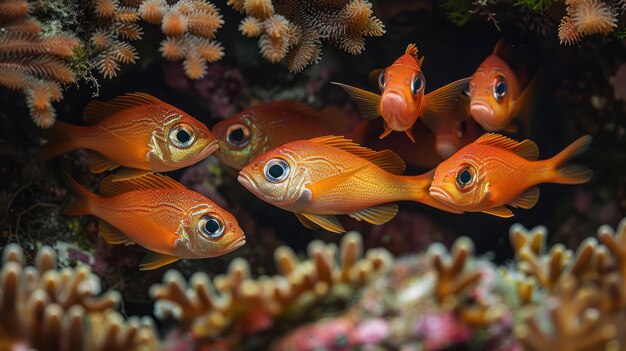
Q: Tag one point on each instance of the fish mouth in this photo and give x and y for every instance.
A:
(245, 180)
(440, 194)
(239, 242)
(211, 147)
(481, 109)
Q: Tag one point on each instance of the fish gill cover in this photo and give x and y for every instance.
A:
(233, 249)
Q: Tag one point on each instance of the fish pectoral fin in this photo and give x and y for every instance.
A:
(128, 173)
(330, 182)
(111, 185)
(376, 215)
(374, 74)
(409, 133)
(113, 235)
(154, 260)
(523, 105)
(500, 211)
(98, 163)
(444, 98)
(387, 131)
(306, 222)
(328, 222)
(367, 102)
(511, 128)
(527, 199)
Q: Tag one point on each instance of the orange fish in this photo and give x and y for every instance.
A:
(137, 131)
(161, 215)
(496, 94)
(263, 127)
(403, 100)
(495, 171)
(327, 176)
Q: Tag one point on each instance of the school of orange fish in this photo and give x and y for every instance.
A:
(291, 156)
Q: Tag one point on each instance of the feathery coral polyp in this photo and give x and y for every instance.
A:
(32, 62)
(586, 17)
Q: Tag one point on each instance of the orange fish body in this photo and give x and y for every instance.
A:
(136, 131)
(495, 171)
(402, 100)
(327, 176)
(263, 127)
(496, 94)
(160, 215)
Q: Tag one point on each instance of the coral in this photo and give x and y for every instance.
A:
(189, 26)
(43, 307)
(235, 301)
(292, 31)
(111, 39)
(32, 61)
(586, 17)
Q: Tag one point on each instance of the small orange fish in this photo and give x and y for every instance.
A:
(263, 127)
(161, 215)
(495, 171)
(403, 100)
(327, 176)
(496, 94)
(137, 131)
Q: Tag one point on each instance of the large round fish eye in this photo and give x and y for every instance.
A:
(418, 83)
(276, 170)
(381, 80)
(464, 177)
(238, 135)
(499, 88)
(182, 135)
(210, 226)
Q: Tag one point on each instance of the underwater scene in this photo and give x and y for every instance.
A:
(323, 175)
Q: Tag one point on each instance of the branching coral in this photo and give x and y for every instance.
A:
(292, 30)
(233, 300)
(33, 62)
(586, 17)
(189, 26)
(44, 308)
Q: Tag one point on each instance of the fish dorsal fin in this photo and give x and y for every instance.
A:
(113, 235)
(386, 159)
(96, 111)
(526, 148)
(154, 260)
(376, 215)
(499, 211)
(527, 199)
(501, 50)
(328, 222)
(421, 61)
(111, 187)
(411, 49)
(367, 101)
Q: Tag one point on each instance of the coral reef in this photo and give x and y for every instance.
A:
(292, 31)
(33, 61)
(586, 17)
(43, 307)
(235, 302)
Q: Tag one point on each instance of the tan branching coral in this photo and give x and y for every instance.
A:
(586, 17)
(44, 308)
(112, 39)
(293, 30)
(190, 27)
(33, 62)
(232, 299)
(456, 279)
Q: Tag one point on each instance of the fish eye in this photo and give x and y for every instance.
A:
(182, 135)
(381, 80)
(211, 226)
(276, 170)
(500, 88)
(464, 177)
(418, 83)
(238, 135)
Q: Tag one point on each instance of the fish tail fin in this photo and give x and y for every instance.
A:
(419, 192)
(572, 173)
(80, 205)
(61, 139)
